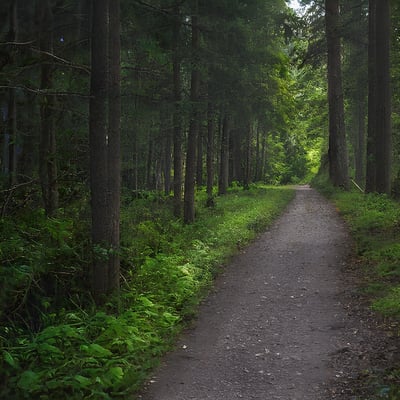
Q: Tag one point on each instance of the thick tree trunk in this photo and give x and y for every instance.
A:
(370, 181)
(48, 148)
(338, 162)
(98, 149)
(190, 172)
(177, 118)
(223, 180)
(114, 144)
(383, 98)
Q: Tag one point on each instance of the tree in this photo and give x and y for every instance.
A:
(48, 147)
(190, 172)
(177, 116)
(370, 180)
(383, 98)
(379, 150)
(104, 147)
(114, 142)
(337, 153)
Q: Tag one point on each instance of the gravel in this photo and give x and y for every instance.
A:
(279, 323)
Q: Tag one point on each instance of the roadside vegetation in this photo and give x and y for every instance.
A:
(374, 223)
(56, 344)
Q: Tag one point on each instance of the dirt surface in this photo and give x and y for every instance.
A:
(278, 324)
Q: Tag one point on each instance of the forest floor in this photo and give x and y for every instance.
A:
(284, 321)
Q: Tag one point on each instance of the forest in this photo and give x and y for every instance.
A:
(144, 142)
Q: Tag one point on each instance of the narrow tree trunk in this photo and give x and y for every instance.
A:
(370, 182)
(360, 153)
(177, 118)
(199, 159)
(190, 172)
(98, 148)
(48, 147)
(223, 180)
(12, 103)
(383, 98)
(165, 121)
(114, 143)
(257, 177)
(12, 137)
(210, 155)
(338, 162)
(247, 149)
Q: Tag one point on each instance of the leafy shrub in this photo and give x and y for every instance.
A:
(77, 351)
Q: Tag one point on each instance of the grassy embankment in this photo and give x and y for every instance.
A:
(374, 222)
(56, 345)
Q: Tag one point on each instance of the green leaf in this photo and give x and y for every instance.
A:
(84, 382)
(10, 360)
(115, 374)
(96, 350)
(29, 381)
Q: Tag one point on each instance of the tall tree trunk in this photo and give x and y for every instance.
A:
(357, 92)
(177, 117)
(114, 143)
(257, 171)
(360, 146)
(370, 181)
(12, 103)
(338, 162)
(166, 131)
(383, 98)
(199, 159)
(210, 155)
(98, 148)
(247, 149)
(190, 172)
(48, 148)
(223, 180)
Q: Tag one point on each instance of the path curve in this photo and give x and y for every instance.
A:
(274, 320)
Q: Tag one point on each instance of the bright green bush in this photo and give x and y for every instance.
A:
(79, 352)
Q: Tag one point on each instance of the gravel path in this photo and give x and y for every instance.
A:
(275, 320)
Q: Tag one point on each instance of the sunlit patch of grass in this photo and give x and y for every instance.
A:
(167, 267)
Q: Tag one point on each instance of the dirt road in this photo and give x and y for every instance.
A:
(273, 323)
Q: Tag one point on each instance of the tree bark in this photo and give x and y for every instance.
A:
(338, 162)
(210, 155)
(199, 159)
(370, 182)
(247, 149)
(98, 148)
(223, 180)
(12, 103)
(177, 117)
(190, 172)
(48, 147)
(383, 98)
(114, 143)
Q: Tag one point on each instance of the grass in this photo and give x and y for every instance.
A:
(374, 223)
(83, 352)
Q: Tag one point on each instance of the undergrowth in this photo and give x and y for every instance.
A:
(374, 223)
(55, 344)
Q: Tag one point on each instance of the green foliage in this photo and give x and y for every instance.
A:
(78, 352)
(373, 220)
